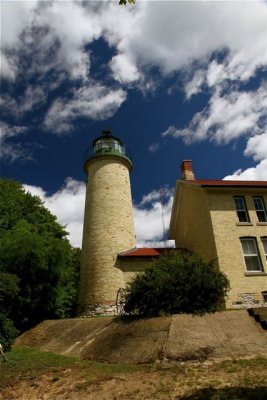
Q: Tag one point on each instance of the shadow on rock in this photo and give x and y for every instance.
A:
(233, 393)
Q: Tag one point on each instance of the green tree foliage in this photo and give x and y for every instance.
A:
(124, 2)
(8, 292)
(8, 332)
(37, 255)
(179, 282)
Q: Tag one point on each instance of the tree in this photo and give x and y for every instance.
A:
(124, 2)
(35, 250)
(178, 282)
(8, 292)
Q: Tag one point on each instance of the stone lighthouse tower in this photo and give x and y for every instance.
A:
(108, 224)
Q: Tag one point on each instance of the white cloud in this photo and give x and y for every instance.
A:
(7, 67)
(194, 86)
(258, 173)
(257, 147)
(153, 147)
(7, 131)
(173, 35)
(15, 16)
(123, 69)
(69, 22)
(152, 217)
(68, 205)
(227, 117)
(150, 33)
(93, 101)
(11, 151)
(75, 26)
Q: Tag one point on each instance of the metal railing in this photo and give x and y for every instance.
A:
(111, 149)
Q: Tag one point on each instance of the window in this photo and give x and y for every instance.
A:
(264, 243)
(264, 295)
(260, 208)
(241, 209)
(251, 254)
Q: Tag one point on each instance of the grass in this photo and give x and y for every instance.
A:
(24, 363)
(243, 379)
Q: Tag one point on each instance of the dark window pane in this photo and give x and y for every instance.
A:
(241, 209)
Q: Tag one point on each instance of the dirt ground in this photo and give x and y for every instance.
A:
(228, 380)
(217, 357)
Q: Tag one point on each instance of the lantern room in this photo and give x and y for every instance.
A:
(107, 145)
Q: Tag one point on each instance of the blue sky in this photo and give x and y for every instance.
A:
(174, 80)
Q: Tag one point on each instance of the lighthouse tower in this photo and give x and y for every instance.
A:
(108, 224)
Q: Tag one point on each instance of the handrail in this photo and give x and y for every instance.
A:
(112, 150)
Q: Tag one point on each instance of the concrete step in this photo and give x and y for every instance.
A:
(260, 315)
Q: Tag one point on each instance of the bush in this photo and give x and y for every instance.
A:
(178, 282)
(8, 332)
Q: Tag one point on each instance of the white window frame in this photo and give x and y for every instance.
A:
(260, 211)
(264, 295)
(264, 245)
(241, 210)
(249, 256)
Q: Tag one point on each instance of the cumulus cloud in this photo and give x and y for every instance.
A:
(11, 151)
(93, 101)
(258, 173)
(256, 147)
(174, 35)
(150, 33)
(152, 217)
(194, 85)
(123, 69)
(56, 36)
(228, 116)
(68, 205)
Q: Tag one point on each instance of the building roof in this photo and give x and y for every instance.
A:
(146, 252)
(226, 183)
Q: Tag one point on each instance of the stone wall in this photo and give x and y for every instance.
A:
(180, 337)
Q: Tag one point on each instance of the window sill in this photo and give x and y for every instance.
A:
(262, 223)
(255, 273)
(244, 224)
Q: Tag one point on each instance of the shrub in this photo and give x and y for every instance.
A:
(8, 332)
(178, 282)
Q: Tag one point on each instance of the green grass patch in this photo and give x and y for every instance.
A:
(31, 358)
(27, 363)
(236, 365)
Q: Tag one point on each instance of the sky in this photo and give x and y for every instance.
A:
(174, 80)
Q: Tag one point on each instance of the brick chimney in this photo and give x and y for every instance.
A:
(186, 169)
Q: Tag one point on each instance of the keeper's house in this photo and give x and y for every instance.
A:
(226, 221)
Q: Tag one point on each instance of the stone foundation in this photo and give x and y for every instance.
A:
(94, 310)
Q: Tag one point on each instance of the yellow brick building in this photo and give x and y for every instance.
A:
(227, 222)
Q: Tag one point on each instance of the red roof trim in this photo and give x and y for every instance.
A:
(145, 252)
(225, 183)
